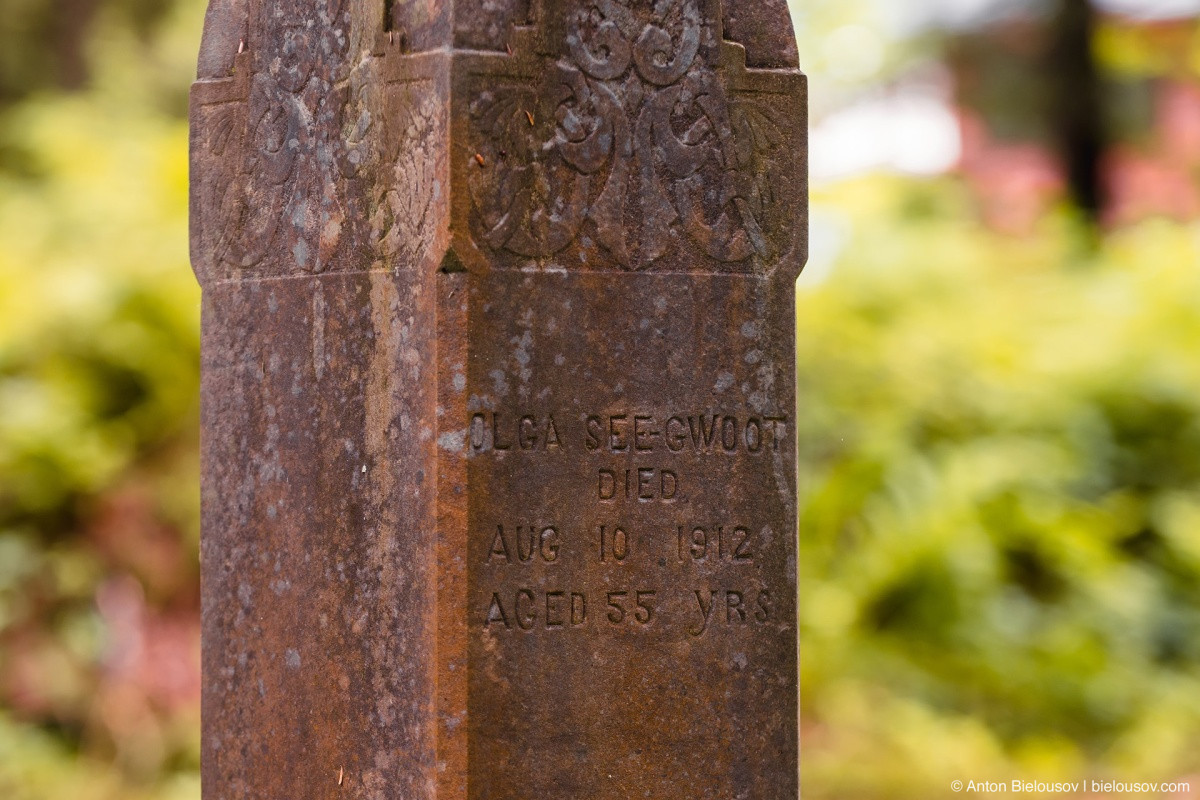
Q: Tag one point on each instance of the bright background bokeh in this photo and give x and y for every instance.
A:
(1000, 399)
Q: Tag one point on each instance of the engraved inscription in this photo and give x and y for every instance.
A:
(644, 484)
(730, 607)
(523, 544)
(695, 567)
(723, 543)
(619, 434)
(508, 431)
(529, 609)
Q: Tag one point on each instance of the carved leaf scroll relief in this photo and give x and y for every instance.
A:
(279, 148)
(627, 124)
(630, 136)
(289, 197)
(411, 196)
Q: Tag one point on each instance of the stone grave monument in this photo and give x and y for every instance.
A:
(499, 488)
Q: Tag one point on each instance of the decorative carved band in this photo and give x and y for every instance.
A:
(631, 124)
(626, 124)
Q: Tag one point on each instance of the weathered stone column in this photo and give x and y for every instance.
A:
(499, 443)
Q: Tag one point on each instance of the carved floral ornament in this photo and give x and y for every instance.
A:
(619, 126)
(403, 224)
(278, 157)
(630, 137)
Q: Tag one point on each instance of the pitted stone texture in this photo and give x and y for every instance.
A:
(318, 545)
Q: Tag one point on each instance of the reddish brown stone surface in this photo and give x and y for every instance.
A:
(499, 455)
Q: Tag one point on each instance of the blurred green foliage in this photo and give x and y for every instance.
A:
(98, 427)
(1000, 453)
(1000, 542)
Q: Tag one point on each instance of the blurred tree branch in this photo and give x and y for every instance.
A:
(1077, 104)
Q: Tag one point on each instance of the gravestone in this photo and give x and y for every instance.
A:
(499, 488)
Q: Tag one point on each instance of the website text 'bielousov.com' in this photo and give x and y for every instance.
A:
(1167, 788)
